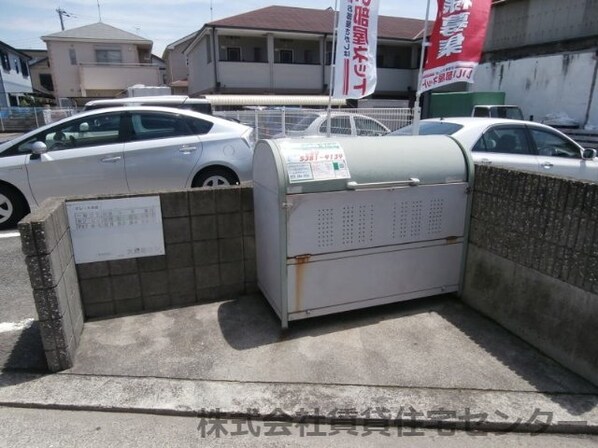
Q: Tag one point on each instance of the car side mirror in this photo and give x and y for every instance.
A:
(588, 154)
(39, 148)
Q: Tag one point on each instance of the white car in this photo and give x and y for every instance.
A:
(315, 123)
(516, 144)
(119, 150)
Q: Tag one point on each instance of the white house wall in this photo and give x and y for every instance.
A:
(297, 76)
(244, 75)
(14, 81)
(545, 85)
(66, 75)
(201, 73)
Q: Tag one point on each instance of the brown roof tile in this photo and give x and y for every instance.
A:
(306, 20)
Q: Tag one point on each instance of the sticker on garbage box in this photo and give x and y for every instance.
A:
(315, 161)
(116, 229)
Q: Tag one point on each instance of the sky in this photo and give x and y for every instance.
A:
(162, 21)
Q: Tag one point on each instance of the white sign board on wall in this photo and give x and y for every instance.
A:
(116, 229)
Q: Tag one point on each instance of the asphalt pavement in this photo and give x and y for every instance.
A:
(34, 428)
(20, 342)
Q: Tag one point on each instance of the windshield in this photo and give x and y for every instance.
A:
(430, 128)
(514, 113)
(302, 124)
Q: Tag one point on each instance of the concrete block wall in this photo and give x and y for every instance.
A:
(46, 243)
(210, 254)
(532, 261)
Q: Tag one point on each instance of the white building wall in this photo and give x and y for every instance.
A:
(201, 73)
(14, 81)
(297, 76)
(545, 85)
(243, 75)
(66, 75)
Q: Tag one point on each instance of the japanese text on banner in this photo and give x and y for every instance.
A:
(355, 61)
(456, 42)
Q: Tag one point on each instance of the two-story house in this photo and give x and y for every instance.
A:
(177, 71)
(15, 81)
(287, 50)
(99, 61)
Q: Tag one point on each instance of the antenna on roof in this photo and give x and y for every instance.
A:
(211, 10)
(99, 11)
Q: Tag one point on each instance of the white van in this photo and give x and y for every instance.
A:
(177, 101)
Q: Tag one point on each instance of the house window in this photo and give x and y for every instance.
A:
(24, 68)
(233, 54)
(73, 56)
(45, 80)
(109, 56)
(16, 64)
(286, 56)
(5, 61)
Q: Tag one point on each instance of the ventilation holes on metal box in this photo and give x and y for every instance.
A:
(325, 227)
(348, 224)
(400, 215)
(416, 218)
(436, 215)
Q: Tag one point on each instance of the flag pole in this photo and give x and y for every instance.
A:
(332, 67)
(417, 111)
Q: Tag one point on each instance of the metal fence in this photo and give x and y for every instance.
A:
(291, 121)
(24, 119)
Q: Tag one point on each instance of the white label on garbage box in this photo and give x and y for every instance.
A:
(315, 161)
(116, 229)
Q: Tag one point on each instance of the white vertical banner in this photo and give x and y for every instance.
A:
(355, 61)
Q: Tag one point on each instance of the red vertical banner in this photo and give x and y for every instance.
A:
(357, 35)
(456, 42)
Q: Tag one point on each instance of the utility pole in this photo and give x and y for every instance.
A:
(61, 12)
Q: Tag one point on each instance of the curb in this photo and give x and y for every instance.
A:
(382, 406)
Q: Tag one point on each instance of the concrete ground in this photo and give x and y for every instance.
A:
(412, 360)
(430, 343)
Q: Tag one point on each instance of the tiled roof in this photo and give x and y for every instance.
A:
(306, 20)
(98, 31)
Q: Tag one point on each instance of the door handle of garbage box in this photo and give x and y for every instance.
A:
(412, 182)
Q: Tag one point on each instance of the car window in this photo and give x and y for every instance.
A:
(302, 124)
(198, 126)
(156, 125)
(430, 128)
(551, 144)
(338, 126)
(367, 126)
(506, 140)
(82, 133)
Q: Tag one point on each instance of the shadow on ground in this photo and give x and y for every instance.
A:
(246, 325)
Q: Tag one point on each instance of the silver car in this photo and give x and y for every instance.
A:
(516, 144)
(315, 123)
(124, 149)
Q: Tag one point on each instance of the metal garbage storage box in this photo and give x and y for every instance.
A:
(348, 223)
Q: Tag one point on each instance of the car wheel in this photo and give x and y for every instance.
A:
(12, 208)
(215, 177)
